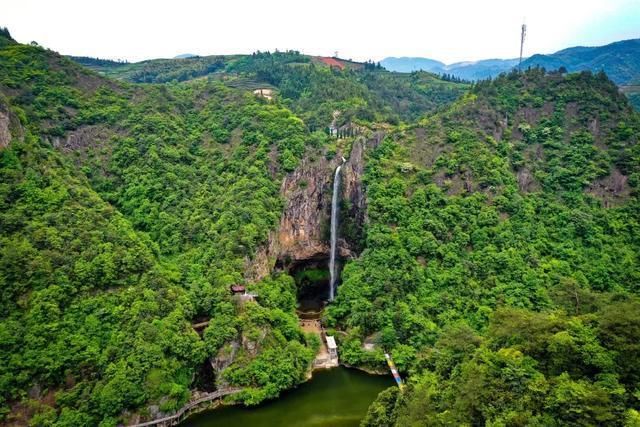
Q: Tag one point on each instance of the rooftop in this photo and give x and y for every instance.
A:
(331, 342)
(237, 288)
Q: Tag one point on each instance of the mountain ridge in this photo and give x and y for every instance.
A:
(466, 70)
(576, 58)
(620, 60)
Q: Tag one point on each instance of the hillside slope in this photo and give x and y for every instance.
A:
(313, 89)
(126, 214)
(501, 261)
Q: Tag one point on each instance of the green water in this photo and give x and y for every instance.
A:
(338, 398)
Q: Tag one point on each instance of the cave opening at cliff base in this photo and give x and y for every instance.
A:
(312, 282)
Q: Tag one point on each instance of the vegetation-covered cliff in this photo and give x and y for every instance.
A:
(501, 266)
(126, 215)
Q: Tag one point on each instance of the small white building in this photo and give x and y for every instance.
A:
(265, 93)
(332, 347)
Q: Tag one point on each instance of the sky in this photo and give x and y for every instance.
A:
(449, 31)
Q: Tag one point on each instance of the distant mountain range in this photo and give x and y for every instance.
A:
(468, 70)
(408, 65)
(620, 60)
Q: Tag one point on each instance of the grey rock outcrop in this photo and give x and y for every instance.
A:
(302, 234)
(5, 133)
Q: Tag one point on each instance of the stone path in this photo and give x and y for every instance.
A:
(322, 360)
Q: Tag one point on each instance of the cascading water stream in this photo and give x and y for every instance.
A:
(334, 233)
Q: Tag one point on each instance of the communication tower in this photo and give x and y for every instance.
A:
(522, 36)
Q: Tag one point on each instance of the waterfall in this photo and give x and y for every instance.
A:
(333, 271)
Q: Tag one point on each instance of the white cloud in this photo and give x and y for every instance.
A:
(449, 31)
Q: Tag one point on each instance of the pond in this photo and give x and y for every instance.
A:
(337, 397)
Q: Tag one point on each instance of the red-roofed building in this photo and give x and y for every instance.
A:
(238, 289)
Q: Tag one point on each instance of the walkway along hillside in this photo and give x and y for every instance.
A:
(189, 408)
(327, 356)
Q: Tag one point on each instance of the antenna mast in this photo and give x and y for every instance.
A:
(522, 35)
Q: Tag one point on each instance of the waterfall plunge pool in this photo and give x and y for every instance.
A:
(337, 397)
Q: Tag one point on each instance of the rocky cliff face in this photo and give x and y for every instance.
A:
(5, 134)
(353, 190)
(303, 225)
(9, 126)
(303, 232)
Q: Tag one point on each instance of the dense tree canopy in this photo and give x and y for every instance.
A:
(113, 243)
(496, 293)
(499, 259)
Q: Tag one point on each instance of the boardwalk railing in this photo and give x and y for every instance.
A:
(186, 409)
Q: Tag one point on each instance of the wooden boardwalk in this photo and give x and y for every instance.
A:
(188, 409)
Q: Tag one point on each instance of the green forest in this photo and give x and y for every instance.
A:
(507, 302)
(498, 263)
